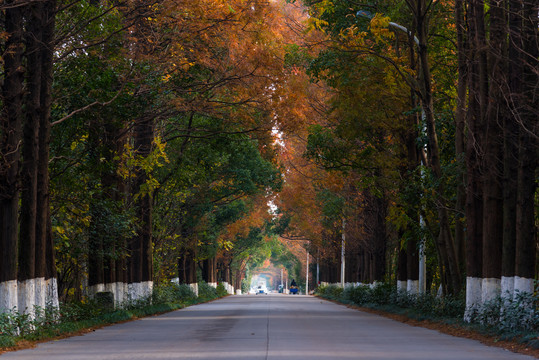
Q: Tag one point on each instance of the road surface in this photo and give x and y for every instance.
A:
(264, 327)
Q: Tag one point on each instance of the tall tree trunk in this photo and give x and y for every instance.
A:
(28, 214)
(402, 275)
(114, 190)
(141, 244)
(46, 287)
(510, 146)
(492, 160)
(526, 236)
(378, 207)
(10, 150)
(97, 228)
(460, 128)
(474, 146)
(183, 267)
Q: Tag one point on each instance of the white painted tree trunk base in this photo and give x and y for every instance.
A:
(473, 296)
(213, 284)
(118, 290)
(110, 287)
(40, 293)
(120, 295)
(139, 291)
(94, 289)
(26, 296)
(401, 285)
(229, 288)
(523, 285)
(491, 288)
(412, 286)
(52, 293)
(194, 287)
(8, 296)
(148, 288)
(507, 287)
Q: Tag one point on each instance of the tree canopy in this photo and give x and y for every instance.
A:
(150, 141)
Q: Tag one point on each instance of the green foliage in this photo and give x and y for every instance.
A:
(245, 285)
(221, 291)
(510, 315)
(213, 187)
(206, 292)
(332, 206)
(281, 255)
(332, 291)
(296, 56)
(170, 292)
(251, 248)
(384, 295)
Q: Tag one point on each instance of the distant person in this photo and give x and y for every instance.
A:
(294, 287)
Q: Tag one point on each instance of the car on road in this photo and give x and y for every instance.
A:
(261, 290)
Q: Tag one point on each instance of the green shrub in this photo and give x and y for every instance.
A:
(508, 317)
(6, 341)
(221, 291)
(331, 291)
(384, 295)
(359, 294)
(171, 293)
(72, 317)
(206, 292)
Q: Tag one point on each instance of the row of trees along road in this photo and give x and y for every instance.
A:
(421, 125)
(136, 144)
(141, 142)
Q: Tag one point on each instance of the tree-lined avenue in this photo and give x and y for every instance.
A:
(264, 327)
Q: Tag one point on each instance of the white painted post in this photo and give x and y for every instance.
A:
(307, 274)
(317, 271)
(343, 252)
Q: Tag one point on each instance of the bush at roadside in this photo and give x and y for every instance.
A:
(73, 317)
(506, 318)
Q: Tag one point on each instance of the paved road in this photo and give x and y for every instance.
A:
(264, 327)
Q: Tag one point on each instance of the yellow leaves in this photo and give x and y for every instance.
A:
(132, 164)
(226, 244)
(314, 23)
(59, 230)
(325, 6)
(76, 143)
(379, 27)
(352, 37)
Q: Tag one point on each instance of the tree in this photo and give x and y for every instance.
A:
(29, 29)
